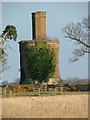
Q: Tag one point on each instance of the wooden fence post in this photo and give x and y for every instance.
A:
(4, 91)
(61, 89)
(10, 93)
(43, 87)
(39, 91)
(55, 90)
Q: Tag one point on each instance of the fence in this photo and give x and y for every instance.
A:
(37, 91)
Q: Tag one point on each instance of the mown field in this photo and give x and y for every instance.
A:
(59, 106)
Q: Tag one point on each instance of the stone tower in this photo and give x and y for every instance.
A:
(39, 25)
(38, 33)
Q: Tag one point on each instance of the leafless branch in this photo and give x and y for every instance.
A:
(79, 33)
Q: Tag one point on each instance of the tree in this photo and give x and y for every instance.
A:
(5, 83)
(79, 33)
(10, 33)
(40, 61)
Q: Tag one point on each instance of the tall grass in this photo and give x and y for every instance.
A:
(64, 106)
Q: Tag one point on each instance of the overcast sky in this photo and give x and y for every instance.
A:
(58, 14)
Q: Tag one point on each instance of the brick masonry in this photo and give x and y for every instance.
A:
(39, 32)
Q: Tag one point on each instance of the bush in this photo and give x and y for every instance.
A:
(40, 61)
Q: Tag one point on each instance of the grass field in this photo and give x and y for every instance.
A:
(61, 106)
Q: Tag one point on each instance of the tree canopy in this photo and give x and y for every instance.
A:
(80, 34)
(40, 61)
(10, 33)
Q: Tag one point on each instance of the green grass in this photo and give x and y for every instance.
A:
(47, 93)
(75, 93)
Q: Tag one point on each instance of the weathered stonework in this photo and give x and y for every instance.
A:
(39, 32)
(39, 25)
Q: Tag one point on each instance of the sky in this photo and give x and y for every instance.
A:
(45, 0)
(58, 14)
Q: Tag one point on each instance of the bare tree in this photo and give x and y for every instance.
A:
(80, 34)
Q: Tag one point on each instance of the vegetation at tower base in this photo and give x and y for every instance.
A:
(9, 33)
(40, 62)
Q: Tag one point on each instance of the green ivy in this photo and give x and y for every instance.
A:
(40, 61)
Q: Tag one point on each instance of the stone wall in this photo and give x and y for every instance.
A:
(38, 33)
(54, 44)
(39, 25)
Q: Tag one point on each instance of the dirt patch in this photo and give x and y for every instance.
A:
(22, 88)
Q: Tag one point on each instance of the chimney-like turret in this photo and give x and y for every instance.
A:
(38, 33)
(39, 25)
